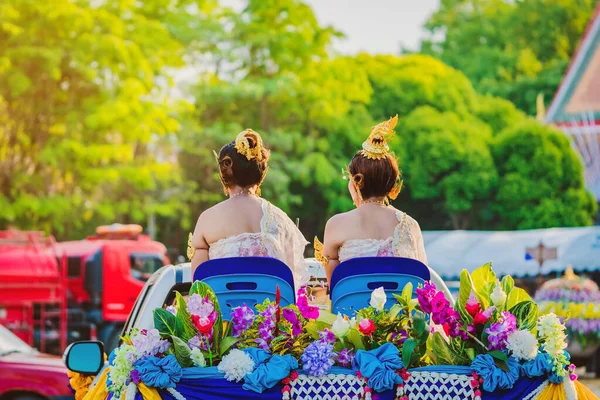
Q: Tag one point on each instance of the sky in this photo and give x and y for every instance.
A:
(373, 26)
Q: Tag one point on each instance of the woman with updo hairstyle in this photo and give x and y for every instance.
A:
(245, 224)
(374, 228)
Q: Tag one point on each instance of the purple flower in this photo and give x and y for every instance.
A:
(498, 331)
(198, 341)
(241, 319)
(345, 358)
(317, 358)
(266, 327)
(292, 318)
(327, 336)
(307, 311)
(301, 292)
(399, 337)
(202, 307)
(425, 295)
(135, 376)
(172, 310)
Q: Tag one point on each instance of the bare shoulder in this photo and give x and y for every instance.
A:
(339, 222)
(410, 223)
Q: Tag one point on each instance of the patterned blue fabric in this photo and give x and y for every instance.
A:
(521, 388)
(379, 366)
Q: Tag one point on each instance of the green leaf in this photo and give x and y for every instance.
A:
(516, 296)
(526, 313)
(182, 352)
(407, 292)
(497, 354)
(501, 364)
(327, 317)
(355, 338)
(394, 310)
(419, 325)
(226, 344)
(470, 353)
(165, 322)
(407, 351)
(507, 283)
(314, 327)
(187, 329)
(466, 288)
(441, 351)
(484, 280)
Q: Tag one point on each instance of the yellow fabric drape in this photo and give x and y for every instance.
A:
(80, 384)
(148, 393)
(583, 393)
(99, 391)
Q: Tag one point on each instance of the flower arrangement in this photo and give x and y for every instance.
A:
(497, 329)
(575, 301)
(494, 327)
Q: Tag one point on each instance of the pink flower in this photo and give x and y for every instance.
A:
(307, 311)
(481, 318)
(366, 327)
(473, 307)
(203, 324)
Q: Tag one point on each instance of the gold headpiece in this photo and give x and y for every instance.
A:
(376, 147)
(319, 252)
(242, 145)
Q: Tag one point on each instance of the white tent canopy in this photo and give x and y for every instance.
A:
(449, 252)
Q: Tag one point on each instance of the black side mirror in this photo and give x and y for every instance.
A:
(85, 357)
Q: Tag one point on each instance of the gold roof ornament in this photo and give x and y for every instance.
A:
(242, 145)
(376, 147)
(570, 274)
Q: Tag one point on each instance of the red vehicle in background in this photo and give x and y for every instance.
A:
(52, 294)
(26, 374)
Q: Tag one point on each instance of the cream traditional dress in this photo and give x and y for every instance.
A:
(278, 238)
(406, 242)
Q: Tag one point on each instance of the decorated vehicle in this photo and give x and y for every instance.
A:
(26, 374)
(493, 343)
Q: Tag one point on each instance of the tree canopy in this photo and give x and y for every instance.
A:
(93, 130)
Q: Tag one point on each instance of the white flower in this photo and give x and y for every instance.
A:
(197, 357)
(236, 365)
(378, 299)
(522, 344)
(498, 296)
(341, 326)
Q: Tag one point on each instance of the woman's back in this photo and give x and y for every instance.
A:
(235, 216)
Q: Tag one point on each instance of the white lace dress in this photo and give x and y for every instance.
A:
(278, 238)
(407, 242)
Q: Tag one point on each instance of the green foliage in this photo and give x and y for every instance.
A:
(511, 49)
(541, 182)
(91, 133)
(182, 352)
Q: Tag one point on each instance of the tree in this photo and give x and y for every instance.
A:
(541, 180)
(86, 125)
(512, 49)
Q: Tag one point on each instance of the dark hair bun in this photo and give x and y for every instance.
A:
(237, 170)
(374, 178)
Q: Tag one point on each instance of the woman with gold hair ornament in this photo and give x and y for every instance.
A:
(246, 225)
(374, 228)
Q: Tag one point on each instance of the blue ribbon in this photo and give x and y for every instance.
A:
(159, 372)
(540, 365)
(494, 377)
(270, 369)
(379, 366)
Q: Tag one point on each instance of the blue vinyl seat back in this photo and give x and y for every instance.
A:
(354, 280)
(247, 280)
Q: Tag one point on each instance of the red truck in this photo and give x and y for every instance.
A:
(53, 293)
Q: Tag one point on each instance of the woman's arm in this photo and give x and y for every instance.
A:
(331, 247)
(199, 245)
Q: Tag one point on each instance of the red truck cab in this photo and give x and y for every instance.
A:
(26, 374)
(105, 274)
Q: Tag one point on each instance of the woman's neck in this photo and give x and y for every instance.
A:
(236, 191)
(380, 201)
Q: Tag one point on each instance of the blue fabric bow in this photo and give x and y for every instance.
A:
(270, 369)
(494, 377)
(159, 372)
(540, 365)
(379, 366)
